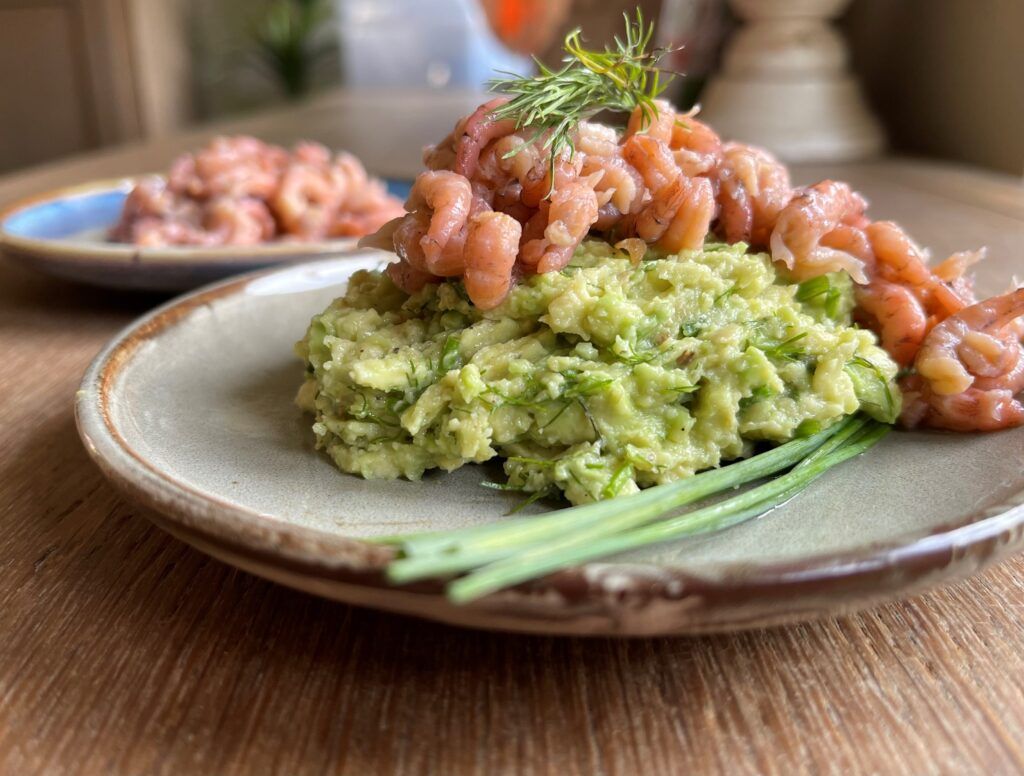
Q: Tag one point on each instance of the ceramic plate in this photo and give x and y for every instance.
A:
(190, 412)
(63, 233)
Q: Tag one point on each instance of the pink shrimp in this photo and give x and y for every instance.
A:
(239, 221)
(896, 315)
(754, 189)
(851, 240)
(796, 240)
(404, 235)
(657, 124)
(901, 261)
(447, 198)
(595, 139)
(956, 265)
(492, 244)
(477, 131)
(509, 199)
(572, 211)
(970, 410)
(229, 166)
(652, 159)
(356, 223)
(306, 202)
(681, 208)
(150, 203)
(692, 212)
(384, 238)
(953, 272)
(312, 153)
(972, 345)
(969, 370)
(529, 163)
(157, 232)
(696, 147)
(407, 239)
(409, 278)
(623, 183)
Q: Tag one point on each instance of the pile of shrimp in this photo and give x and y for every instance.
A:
(242, 191)
(493, 207)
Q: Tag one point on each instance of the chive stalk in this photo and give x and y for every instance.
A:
(724, 514)
(655, 501)
(452, 551)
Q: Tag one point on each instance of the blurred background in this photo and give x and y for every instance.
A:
(943, 77)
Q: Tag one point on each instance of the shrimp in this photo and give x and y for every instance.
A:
(312, 153)
(407, 277)
(652, 159)
(239, 222)
(969, 370)
(356, 224)
(900, 260)
(971, 410)
(149, 204)
(407, 239)
(509, 199)
(972, 347)
(691, 205)
(447, 198)
(956, 265)
(754, 189)
(384, 238)
(530, 164)
(796, 240)
(572, 211)
(229, 166)
(410, 272)
(492, 244)
(897, 317)
(657, 124)
(624, 183)
(306, 202)
(595, 139)
(852, 240)
(681, 208)
(953, 272)
(696, 147)
(478, 129)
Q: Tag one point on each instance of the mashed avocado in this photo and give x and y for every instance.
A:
(597, 380)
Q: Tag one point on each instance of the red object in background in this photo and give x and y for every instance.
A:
(526, 26)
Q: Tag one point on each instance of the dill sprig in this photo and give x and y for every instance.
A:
(552, 103)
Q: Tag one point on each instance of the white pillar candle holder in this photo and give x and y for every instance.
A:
(785, 85)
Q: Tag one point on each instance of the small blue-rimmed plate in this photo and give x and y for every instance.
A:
(64, 233)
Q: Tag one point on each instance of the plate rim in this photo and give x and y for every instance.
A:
(618, 598)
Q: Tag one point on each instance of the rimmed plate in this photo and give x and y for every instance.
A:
(189, 411)
(63, 233)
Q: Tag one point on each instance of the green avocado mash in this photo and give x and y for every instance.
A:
(595, 381)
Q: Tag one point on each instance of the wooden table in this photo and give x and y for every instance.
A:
(123, 651)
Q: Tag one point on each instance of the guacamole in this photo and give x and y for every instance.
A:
(605, 377)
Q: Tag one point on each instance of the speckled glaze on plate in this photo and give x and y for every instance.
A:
(189, 411)
(63, 233)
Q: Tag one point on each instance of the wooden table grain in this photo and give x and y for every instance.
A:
(124, 651)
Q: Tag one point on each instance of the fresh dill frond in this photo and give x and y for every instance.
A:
(552, 103)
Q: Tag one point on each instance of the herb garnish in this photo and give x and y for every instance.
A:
(552, 103)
